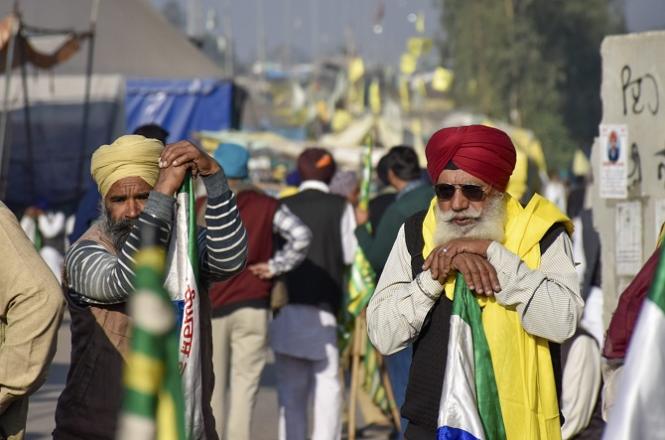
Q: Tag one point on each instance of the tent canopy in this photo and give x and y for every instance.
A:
(131, 38)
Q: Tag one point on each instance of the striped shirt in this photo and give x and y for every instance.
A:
(297, 236)
(547, 299)
(96, 276)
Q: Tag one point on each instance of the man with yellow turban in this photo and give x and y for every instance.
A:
(492, 374)
(137, 178)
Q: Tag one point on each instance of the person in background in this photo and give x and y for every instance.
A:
(581, 354)
(413, 195)
(46, 229)
(137, 178)
(303, 335)
(385, 197)
(88, 210)
(241, 304)
(345, 183)
(31, 309)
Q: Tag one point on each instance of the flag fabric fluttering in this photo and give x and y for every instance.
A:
(640, 401)
(363, 278)
(182, 285)
(153, 405)
(469, 407)
(362, 282)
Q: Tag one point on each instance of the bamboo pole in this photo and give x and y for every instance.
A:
(355, 373)
(385, 378)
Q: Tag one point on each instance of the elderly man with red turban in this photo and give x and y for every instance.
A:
(517, 263)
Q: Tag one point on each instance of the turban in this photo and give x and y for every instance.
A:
(128, 156)
(484, 152)
(316, 164)
(233, 158)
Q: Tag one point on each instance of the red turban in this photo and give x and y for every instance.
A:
(484, 152)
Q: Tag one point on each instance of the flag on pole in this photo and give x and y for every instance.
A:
(363, 279)
(640, 402)
(182, 284)
(153, 405)
(469, 407)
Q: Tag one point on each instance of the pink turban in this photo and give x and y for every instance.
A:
(484, 152)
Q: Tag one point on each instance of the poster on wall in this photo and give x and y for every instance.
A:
(628, 236)
(613, 141)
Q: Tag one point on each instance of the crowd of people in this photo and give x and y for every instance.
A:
(272, 274)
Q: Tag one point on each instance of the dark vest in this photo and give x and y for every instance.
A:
(257, 211)
(317, 281)
(430, 349)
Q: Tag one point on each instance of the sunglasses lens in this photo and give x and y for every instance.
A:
(444, 191)
(474, 193)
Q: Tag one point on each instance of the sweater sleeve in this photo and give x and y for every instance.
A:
(98, 277)
(223, 242)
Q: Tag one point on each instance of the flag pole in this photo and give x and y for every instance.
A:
(394, 411)
(355, 372)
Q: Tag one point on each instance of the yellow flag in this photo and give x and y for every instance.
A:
(420, 23)
(418, 46)
(442, 79)
(356, 69)
(407, 64)
(581, 165)
(404, 94)
(375, 96)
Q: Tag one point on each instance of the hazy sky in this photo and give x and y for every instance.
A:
(322, 25)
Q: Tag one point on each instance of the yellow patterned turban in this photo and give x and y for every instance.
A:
(129, 156)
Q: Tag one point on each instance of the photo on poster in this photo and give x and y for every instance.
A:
(613, 139)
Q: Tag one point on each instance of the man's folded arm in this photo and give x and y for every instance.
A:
(96, 276)
(547, 299)
(400, 304)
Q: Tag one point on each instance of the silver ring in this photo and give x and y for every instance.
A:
(445, 250)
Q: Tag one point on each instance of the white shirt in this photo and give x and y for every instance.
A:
(301, 330)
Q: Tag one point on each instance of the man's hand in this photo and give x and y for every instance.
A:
(478, 273)
(362, 216)
(171, 178)
(184, 152)
(440, 259)
(261, 270)
(468, 256)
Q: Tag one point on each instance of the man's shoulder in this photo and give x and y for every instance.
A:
(92, 238)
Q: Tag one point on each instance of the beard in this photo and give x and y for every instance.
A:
(117, 230)
(487, 224)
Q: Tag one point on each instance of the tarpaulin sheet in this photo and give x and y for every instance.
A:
(180, 106)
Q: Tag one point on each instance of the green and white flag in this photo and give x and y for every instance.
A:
(639, 409)
(469, 408)
(182, 284)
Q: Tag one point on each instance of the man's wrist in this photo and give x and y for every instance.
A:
(429, 287)
(216, 184)
(159, 205)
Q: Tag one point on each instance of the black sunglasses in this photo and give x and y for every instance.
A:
(446, 191)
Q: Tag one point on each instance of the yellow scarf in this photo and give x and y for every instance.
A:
(522, 363)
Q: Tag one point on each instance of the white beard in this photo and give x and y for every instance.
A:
(488, 226)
